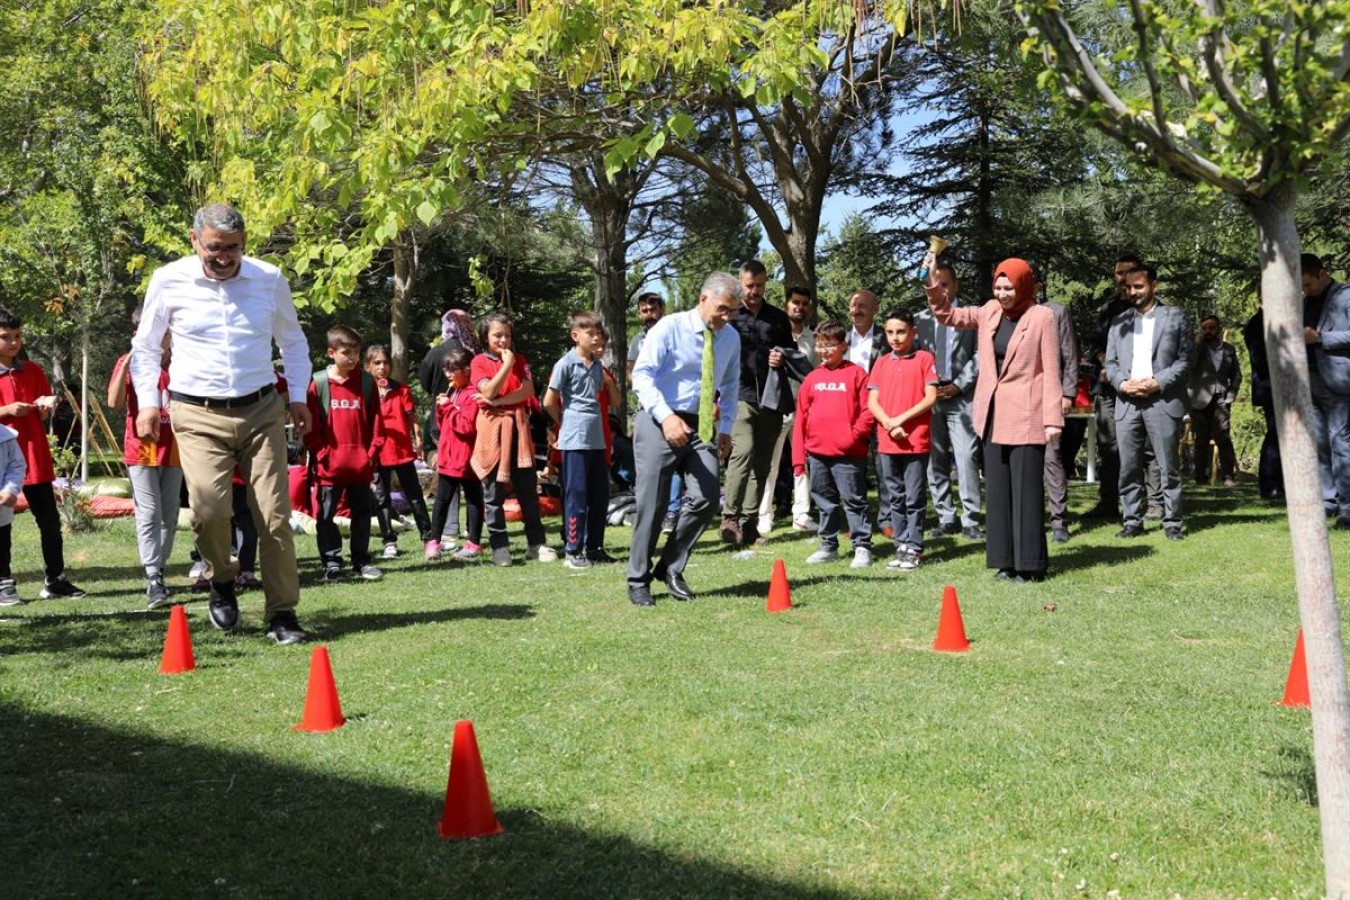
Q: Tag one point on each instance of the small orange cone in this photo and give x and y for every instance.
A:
(177, 656)
(1296, 687)
(468, 807)
(780, 595)
(323, 710)
(951, 633)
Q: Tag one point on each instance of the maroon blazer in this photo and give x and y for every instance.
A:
(1025, 397)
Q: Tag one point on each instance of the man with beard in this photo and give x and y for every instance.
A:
(764, 330)
(1148, 359)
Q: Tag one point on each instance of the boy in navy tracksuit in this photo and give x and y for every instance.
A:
(574, 399)
(830, 436)
(345, 440)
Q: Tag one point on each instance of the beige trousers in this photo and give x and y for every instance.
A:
(210, 443)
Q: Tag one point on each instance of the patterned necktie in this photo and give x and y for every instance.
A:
(705, 390)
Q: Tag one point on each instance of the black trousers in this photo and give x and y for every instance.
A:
(1014, 507)
(42, 504)
(447, 492)
(327, 535)
(412, 489)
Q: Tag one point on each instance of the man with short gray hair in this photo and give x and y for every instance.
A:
(224, 310)
(688, 360)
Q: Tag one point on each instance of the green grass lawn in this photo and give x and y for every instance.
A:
(1114, 729)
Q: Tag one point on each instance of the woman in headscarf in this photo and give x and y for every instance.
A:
(1017, 411)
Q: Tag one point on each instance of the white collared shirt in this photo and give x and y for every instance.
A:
(222, 332)
(1141, 362)
(860, 347)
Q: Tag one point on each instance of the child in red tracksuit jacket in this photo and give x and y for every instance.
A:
(457, 421)
(343, 445)
(830, 436)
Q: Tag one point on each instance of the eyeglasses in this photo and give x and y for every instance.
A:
(223, 249)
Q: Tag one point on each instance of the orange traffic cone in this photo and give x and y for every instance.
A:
(780, 595)
(1296, 687)
(177, 656)
(951, 633)
(468, 807)
(323, 710)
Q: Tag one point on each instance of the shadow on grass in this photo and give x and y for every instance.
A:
(1297, 772)
(758, 589)
(92, 811)
(124, 635)
(327, 625)
(139, 635)
(1089, 557)
(1208, 519)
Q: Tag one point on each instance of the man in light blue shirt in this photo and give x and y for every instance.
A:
(667, 379)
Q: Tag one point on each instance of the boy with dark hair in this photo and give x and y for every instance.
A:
(573, 400)
(26, 402)
(343, 445)
(903, 391)
(830, 437)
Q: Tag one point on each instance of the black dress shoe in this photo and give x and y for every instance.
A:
(1130, 531)
(640, 595)
(945, 529)
(674, 583)
(972, 533)
(223, 606)
(285, 629)
(1028, 577)
(1005, 574)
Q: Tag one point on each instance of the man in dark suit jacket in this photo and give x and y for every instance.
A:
(953, 430)
(1213, 387)
(1151, 397)
(1327, 333)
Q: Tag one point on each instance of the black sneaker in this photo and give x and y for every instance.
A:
(59, 588)
(668, 523)
(285, 629)
(156, 594)
(223, 606)
(601, 556)
(334, 574)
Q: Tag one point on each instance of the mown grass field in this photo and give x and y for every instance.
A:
(1114, 729)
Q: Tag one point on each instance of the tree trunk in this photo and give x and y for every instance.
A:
(609, 231)
(1313, 575)
(405, 279)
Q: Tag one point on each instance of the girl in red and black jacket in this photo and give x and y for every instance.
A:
(457, 422)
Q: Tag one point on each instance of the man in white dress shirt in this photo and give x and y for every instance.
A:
(224, 310)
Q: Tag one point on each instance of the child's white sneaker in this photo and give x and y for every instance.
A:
(862, 558)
